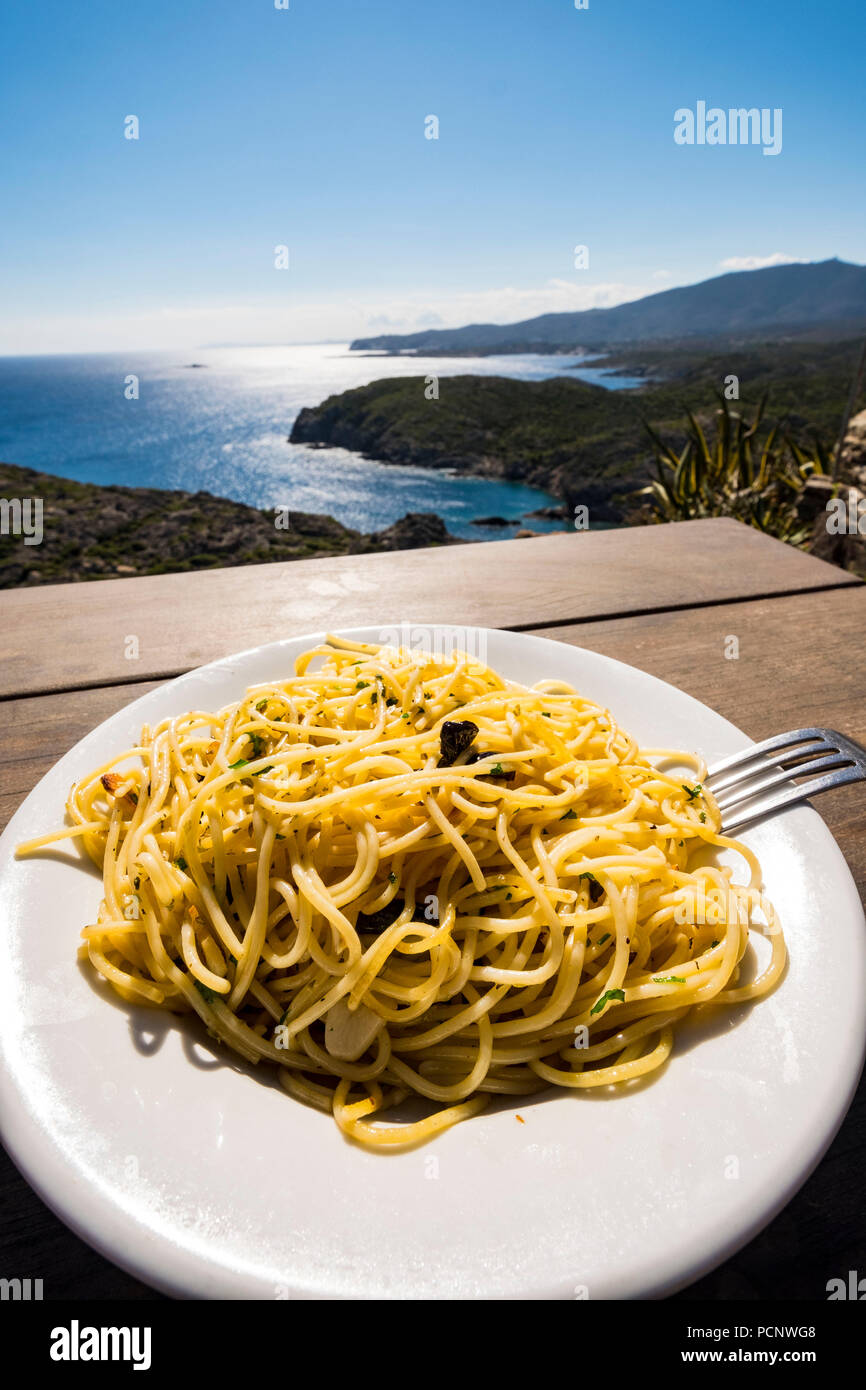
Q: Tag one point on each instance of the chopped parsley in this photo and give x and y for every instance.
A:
(392, 878)
(181, 864)
(258, 744)
(241, 762)
(362, 685)
(669, 979)
(570, 814)
(206, 992)
(703, 817)
(692, 792)
(507, 774)
(262, 704)
(605, 998)
(603, 939)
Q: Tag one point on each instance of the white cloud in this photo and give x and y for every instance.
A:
(339, 317)
(506, 304)
(760, 262)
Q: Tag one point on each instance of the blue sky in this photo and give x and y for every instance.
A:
(305, 127)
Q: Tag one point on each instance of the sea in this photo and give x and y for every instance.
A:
(218, 421)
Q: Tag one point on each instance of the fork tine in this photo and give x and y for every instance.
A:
(746, 788)
(736, 775)
(770, 745)
(778, 800)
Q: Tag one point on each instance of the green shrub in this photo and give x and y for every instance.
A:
(756, 476)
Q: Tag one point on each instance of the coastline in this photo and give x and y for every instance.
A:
(575, 440)
(223, 430)
(583, 443)
(88, 532)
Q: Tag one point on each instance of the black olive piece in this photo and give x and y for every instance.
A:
(378, 921)
(596, 892)
(369, 938)
(500, 776)
(455, 736)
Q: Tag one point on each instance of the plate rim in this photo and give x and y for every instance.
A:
(105, 1227)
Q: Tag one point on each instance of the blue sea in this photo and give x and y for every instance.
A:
(222, 427)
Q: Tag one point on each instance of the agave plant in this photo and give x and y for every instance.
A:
(758, 479)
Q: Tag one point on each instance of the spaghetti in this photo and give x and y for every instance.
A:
(398, 874)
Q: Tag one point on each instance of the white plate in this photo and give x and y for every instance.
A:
(204, 1178)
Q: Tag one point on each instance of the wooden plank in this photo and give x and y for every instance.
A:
(799, 664)
(70, 636)
(36, 731)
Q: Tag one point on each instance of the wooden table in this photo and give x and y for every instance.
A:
(663, 598)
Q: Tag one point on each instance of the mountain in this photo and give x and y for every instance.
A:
(784, 299)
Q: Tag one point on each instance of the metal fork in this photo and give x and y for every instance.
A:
(737, 781)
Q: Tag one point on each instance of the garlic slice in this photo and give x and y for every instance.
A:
(348, 1033)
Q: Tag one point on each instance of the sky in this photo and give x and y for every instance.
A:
(305, 127)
